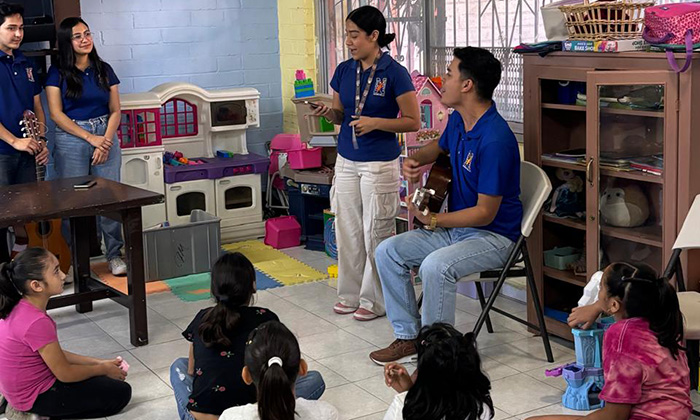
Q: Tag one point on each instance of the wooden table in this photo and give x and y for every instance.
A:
(57, 199)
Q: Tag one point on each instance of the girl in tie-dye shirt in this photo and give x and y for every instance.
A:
(645, 367)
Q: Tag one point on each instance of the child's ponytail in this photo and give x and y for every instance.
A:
(232, 286)
(28, 265)
(272, 357)
(275, 397)
(668, 320)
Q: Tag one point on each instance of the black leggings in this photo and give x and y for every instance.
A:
(96, 397)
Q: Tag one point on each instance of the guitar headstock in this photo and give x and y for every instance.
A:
(31, 127)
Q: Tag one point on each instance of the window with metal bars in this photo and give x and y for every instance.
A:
(427, 31)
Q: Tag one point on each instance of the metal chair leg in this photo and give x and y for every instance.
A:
(497, 287)
(482, 301)
(538, 305)
(693, 353)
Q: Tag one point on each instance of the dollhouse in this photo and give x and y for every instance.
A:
(433, 120)
(208, 127)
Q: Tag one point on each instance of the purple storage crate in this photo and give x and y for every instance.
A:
(216, 168)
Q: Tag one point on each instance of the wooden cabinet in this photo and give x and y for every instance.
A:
(624, 130)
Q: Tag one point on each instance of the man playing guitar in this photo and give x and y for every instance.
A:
(483, 221)
(19, 91)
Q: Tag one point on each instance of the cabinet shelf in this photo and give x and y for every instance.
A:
(565, 221)
(564, 107)
(633, 175)
(565, 276)
(633, 112)
(581, 167)
(565, 165)
(648, 235)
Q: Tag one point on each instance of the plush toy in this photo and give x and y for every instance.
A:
(568, 199)
(624, 206)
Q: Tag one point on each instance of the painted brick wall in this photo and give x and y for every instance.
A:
(210, 43)
(297, 51)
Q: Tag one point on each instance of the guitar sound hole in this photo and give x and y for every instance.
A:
(43, 229)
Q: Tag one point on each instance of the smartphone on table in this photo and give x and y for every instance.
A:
(84, 185)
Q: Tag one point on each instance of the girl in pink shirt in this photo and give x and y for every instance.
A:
(36, 375)
(645, 366)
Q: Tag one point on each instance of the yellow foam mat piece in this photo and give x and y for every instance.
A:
(275, 263)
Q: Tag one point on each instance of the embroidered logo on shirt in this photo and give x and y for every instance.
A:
(468, 161)
(380, 87)
(30, 74)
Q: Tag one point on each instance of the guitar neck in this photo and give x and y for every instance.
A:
(40, 172)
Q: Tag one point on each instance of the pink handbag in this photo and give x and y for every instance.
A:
(674, 27)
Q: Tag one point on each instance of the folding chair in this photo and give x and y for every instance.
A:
(534, 190)
(688, 238)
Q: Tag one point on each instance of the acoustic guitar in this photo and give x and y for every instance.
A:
(45, 234)
(431, 197)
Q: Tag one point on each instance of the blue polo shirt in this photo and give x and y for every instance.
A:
(485, 160)
(93, 103)
(391, 80)
(18, 86)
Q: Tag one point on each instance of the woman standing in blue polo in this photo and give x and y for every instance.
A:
(369, 92)
(83, 99)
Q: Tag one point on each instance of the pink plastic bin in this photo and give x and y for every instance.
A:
(282, 232)
(299, 155)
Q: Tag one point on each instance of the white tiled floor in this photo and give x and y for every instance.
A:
(335, 345)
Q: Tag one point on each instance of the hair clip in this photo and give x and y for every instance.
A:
(274, 361)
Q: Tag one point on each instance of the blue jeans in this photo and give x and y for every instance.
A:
(73, 157)
(309, 386)
(15, 168)
(444, 256)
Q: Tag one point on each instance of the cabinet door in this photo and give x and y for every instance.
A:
(631, 167)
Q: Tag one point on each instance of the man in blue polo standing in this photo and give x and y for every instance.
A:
(485, 211)
(19, 91)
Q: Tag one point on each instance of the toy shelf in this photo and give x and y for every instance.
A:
(625, 163)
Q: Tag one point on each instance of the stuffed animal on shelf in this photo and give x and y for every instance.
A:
(624, 206)
(568, 199)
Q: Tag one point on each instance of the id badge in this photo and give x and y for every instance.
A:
(354, 139)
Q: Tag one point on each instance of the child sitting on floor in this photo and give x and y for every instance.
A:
(36, 374)
(645, 367)
(448, 383)
(273, 362)
(210, 381)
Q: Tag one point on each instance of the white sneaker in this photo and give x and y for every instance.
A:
(117, 266)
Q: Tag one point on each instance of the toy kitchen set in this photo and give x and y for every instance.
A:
(189, 144)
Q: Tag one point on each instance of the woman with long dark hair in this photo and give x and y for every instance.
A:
(369, 91)
(83, 97)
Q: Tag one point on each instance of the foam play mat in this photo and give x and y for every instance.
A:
(189, 288)
(121, 283)
(195, 287)
(276, 264)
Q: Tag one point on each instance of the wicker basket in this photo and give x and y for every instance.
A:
(605, 20)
